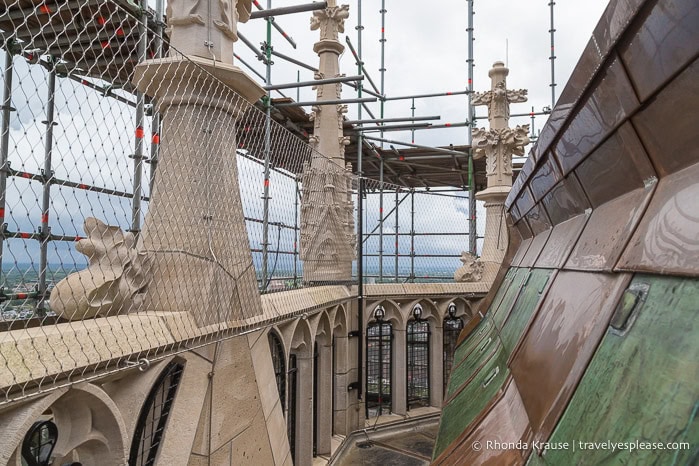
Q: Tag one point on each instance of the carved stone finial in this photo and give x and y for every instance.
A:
(330, 21)
(114, 281)
(472, 269)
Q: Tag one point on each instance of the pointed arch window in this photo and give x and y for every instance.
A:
(279, 363)
(418, 360)
(379, 342)
(154, 415)
(452, 328)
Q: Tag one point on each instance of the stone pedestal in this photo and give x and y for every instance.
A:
(195, 231)
(496, 236)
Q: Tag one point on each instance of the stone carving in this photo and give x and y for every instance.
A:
(471, 270)
(328, 242)
(181, 12)
(114, 281)
(318, 88)
(330, 21)
(184, 12)
(498, 145)
(499, 99)
(233, 12)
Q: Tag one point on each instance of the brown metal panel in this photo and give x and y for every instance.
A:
(521, 252)
(560, 342)
(665, 40)
(506, 423)
(566, 200)
(668, 126)
(610, 103)
(525, 201)
(563, 238)
(538, 244)
(545, 177)
(614, 22)
(523, 229)
(618, 166)
(538, 219)
(667, 239)
(608, 231)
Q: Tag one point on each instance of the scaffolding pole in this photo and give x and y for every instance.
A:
(382, 71)
(155, 138)
(425, 96)
(139, 151)
(360, 219)
(268, 144)
(5, 137)
(396, 232)
(45, 231)
(296, 233)
(472, 226)
(278, 27)
(552, 31)
(412, 236)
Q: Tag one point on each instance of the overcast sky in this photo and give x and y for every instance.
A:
(426, 52)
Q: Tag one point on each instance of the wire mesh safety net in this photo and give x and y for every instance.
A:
(146, 205)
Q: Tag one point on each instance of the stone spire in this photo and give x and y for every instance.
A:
(497, 144)
(327, 212)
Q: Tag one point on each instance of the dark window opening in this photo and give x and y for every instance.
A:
(418, 363)
(378, 368)
(452, 329)
(39, 443)
(291, 413)
(153, 417)
(279, 364)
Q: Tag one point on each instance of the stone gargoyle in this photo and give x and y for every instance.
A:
(114, 280)
(471, 271)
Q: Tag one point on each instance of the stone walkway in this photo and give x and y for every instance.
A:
(399, 445)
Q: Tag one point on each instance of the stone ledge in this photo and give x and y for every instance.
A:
(426, 289)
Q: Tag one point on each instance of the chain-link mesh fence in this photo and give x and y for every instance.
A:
(145, 205)
(413, 235)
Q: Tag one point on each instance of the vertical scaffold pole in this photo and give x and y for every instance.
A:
(46, 195)
(296, 233)
(412, 235)
(360, 218)
(472, 226)
(382, 70)
(552, 31)
(268, 144)
(380, 220)
(138, 155)
(396, 232)
(5, 137)
(155, 138)
(413, 131)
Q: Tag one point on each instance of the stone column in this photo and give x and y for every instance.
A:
(497, 145)
(436, 366)
(195, 232)
(399, 389)
(325, 394)
(304, 413)
(341, 376)
(327, 212)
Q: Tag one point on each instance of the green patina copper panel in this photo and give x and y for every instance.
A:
(500, 312)
(466, 347)
(482, 352)
(463, 409)
(642, 385)
(522, 311)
